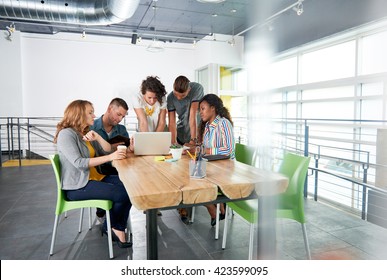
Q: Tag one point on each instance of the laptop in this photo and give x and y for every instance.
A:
(151, 143)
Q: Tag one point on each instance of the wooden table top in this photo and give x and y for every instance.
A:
(157, 184)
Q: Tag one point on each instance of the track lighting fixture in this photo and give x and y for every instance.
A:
(232, 42)
(299, 8)
(10, 30)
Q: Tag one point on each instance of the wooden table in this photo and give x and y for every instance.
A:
(153, 185)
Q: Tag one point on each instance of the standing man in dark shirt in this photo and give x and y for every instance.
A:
(184, 101)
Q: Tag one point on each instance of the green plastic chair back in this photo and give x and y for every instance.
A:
(244, 153)
(247, 209)
(291, 203)
(63, 205)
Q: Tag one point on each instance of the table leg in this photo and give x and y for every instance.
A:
(151, 234)
(267, 228)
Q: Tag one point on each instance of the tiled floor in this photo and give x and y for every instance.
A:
(27, 204)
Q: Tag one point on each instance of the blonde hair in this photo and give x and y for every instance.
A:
(74, 117)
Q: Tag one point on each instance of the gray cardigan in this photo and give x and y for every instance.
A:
(74, 158)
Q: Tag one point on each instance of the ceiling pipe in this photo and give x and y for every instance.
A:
(81, 12)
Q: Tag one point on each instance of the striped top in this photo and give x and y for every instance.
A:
(219, 137)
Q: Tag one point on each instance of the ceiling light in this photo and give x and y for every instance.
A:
(232, 42)
(211, 1)
(155, 47)
(10, 29)
(299, 8)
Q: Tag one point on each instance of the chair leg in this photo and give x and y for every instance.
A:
(192, 214)
(54, 235)
(129, 235)
(225, 228)
(217, 222)
(80, 221)
(109, 232)
(251, 242)
(306, 241)
(89, 218)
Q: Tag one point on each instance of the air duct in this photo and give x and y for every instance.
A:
(81, 12)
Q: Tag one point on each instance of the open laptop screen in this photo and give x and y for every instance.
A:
(152, 143)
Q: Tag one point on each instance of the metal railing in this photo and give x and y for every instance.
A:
(31, 137)
(343, 166)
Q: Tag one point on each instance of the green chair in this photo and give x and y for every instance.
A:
(63, 205)
(290, 205)
(245, 154)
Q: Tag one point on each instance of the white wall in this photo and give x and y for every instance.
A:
(11, 98)
(49, 71)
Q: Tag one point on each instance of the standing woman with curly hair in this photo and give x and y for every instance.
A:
(217, 136)
(77, 147)
(150, 105)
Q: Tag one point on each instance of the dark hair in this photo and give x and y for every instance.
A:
(153, 84)
(214, 101)
(119, 102)
(181, 84)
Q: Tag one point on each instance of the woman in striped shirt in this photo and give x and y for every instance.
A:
(217, 136)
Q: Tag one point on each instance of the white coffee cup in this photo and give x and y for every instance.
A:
(176, 153)
(121, 147)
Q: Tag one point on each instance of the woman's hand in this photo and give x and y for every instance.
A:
(118, 154)
(91, 136)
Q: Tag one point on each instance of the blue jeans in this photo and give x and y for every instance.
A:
(110, 188)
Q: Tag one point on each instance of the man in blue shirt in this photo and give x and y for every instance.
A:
(108, 124)
(108, 127)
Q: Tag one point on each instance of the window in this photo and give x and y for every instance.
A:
(329, 63)
(332, 90)
(374, 55)
(283, 73)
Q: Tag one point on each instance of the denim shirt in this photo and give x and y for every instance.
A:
(119, 129)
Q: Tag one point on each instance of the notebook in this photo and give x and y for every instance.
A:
(215, 157)
(151, 143)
